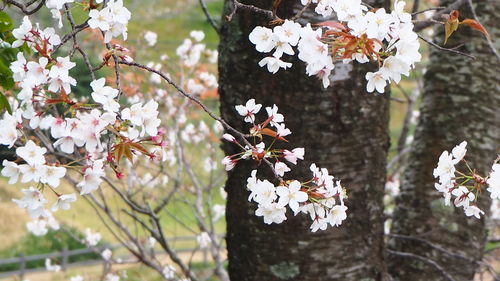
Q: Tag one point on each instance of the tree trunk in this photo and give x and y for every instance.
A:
(461, 101)
(342, 128)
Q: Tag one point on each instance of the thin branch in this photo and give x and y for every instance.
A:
(449, 253)
(24, 8)
(160, 237)
(437, 16)
(427, 10)
(87, 62)
(432, 245)
(451, 50)
(301, 12)
(424, 259)
(488, 39)
(125, 198)
(72, 33)
(209, 17)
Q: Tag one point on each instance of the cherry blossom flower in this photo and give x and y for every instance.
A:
(249, 110)
(10, 170)
(262, 192)
(337, 215)
(272, 112)
(378, 24)
(168, 272)
(292, 156)
(272, 213)
(32, 153)
(228, 163)
(288, 32)
(92, 177)
(459, 152)
(92, 238)
(463, 196)
(22, 32)
(50, 267)
(63, 202)
(274, 64)
(37, 73)
(33, 201)
(61, 68)
(493, 182)
(376, 81)
(197, 35)
(106, 254)
(263, 38)
(111, 277)
(52, 175)
(281, 168)
(203, 240)
(291, 196)
(446, 166)
(151, 38)
(105, 95)
(473, 210)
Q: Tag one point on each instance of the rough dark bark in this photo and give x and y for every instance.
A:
(461, 101)
(342, 128)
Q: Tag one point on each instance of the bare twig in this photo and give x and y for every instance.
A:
(24, 8)
(73, 32)
(449, 253)
(437, 16)
(428, 9)
(488, 39)
(302, 11)
(209, 17)
(451, 50)
(424, 259)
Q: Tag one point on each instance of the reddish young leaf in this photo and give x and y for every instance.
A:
(271, 133)
(451, 24)
(476, 25)
(128, 153)
(139, 147)
(333, 25)
(118, 152)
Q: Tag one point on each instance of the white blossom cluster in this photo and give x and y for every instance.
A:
(321, 197)
(151, 38)
(456, 184)
(360, 35)
(190, 52)
(33, 36)
(55, 7)
(51, 267)
(83, 129)
(112, 20)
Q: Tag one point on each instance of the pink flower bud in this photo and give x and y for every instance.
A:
(229, 138)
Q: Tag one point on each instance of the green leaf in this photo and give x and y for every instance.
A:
(4, 104)
(6, 23)
(6, 81)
